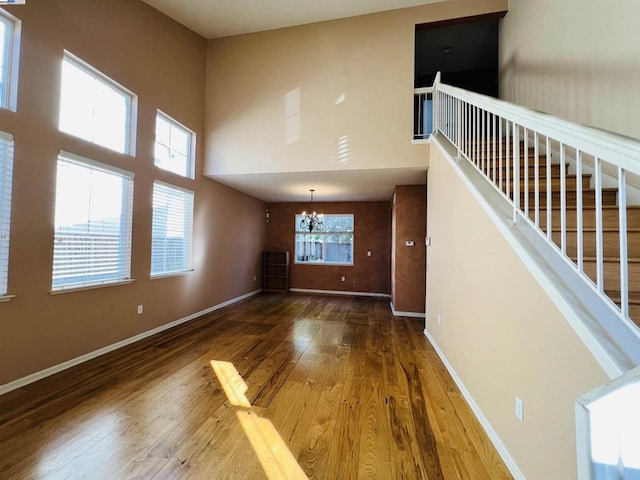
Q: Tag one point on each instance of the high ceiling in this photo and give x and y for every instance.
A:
(223, 18)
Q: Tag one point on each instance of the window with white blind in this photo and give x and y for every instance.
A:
(174, 146)
(94, 107)
(93, 216)
(331, 244)
(172, 230)
(6, 168)
(9, 53)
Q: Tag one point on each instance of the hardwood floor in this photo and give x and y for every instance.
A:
(338, 387)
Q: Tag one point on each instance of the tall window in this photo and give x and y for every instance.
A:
(9, 51)
(94, 204)
(174, 146)
(94, 107)
(6, 168)
(172, 230)
(331, 245)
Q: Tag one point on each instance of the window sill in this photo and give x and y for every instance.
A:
(171, 274)
(6, 298)
(90, 287)
(326, 264)
(421, 141)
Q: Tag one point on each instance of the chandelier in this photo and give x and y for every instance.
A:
(311, 221)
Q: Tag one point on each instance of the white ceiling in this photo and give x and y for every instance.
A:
(223, 18)
(330, 186)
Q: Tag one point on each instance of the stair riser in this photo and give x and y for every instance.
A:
(612, 274)
(634, 313)
(490, 155)
(609, 198)
(609, 218)
(611, 243)
(571, 184)
(542, 167)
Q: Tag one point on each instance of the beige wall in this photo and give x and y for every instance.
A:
(501, 333)
(355, 78)
(408, 264)
(164, 64)
(576, 59)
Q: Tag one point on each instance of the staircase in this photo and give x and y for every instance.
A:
(493, 160)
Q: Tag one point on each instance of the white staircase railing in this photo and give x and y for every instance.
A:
(526, 154)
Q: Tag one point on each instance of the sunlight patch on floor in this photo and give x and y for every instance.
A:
(275, 457)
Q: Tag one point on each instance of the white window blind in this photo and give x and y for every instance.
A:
(172, 229)
(93, 216)
(6, 169)
(173, 148)
(94, 107)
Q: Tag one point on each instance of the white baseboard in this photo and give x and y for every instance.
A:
(396, 313)
(21, 382)
(491, 433)
(339, 292)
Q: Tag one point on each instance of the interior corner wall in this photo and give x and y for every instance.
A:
(372, 232)
(577, 60)
(409, 262)
(334, 95)
(500, 331)
(164, 64)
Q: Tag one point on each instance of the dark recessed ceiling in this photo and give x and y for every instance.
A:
(462, 47)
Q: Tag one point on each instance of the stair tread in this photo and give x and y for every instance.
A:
(593, 230)
(604, 207)
(609, 259)
(634, 297)
(556, 176)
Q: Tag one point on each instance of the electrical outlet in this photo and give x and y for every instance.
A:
(519, 409)
(439, 319)
(368, 253)
(342, 279)
(140, 309)
(254, 278)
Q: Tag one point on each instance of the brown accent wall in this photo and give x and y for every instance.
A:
(372, 232)
(410, 218)
(164, 64)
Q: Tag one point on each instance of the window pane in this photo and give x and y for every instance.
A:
(180, 141)
(4, 57)
(6, 168)
(92, 243)
(171, 230)
(173, 146)
(94, 108)
(333, 244)
(163, 131)
(8, 60)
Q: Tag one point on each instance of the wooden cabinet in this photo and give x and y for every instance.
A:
(275, 271)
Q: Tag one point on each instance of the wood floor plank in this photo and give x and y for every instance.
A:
(313, 453)
(338, 388)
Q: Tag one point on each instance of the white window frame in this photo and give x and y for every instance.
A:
(187, 231)
(123, 274)
(191, 145)
(324, 233)
(131, 99)
(10, 58)
(6, 170)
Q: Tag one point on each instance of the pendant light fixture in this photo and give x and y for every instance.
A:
(311, 221)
